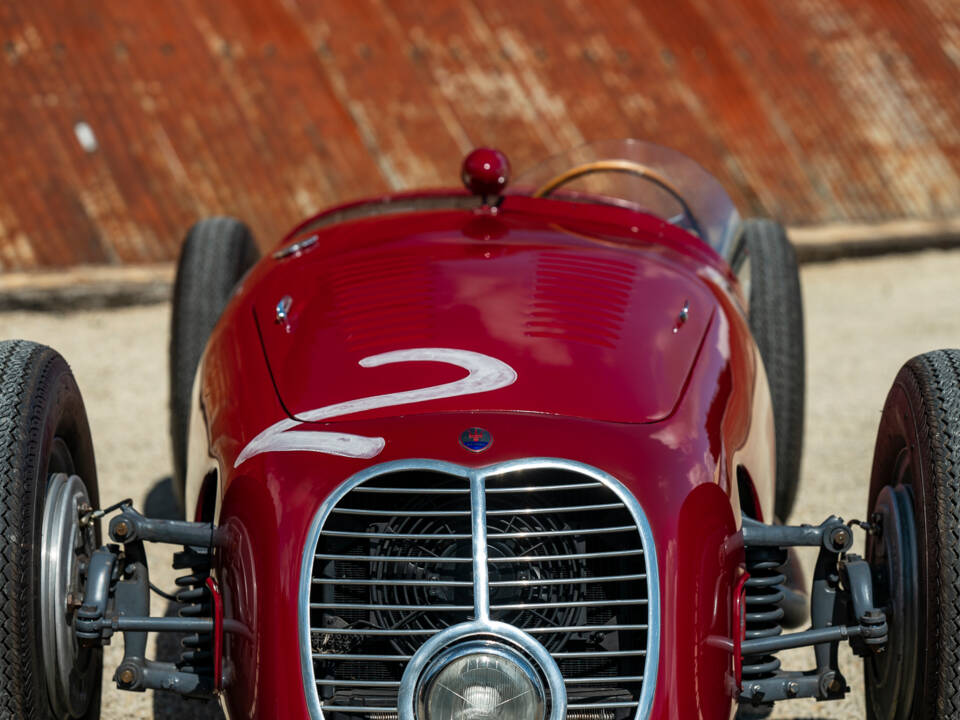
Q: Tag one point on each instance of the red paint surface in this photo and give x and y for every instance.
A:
(591, 312)
(740, 629)
(680, 468)
(217, 603)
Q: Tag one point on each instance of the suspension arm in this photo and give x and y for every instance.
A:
(842, 609)
(116, 598)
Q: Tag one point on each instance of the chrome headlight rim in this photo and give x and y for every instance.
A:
(479, 647)
(491, 630)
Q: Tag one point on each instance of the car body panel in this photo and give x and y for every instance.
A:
(600, 322)
(676, 441)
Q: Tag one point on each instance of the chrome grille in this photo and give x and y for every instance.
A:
(391, 562)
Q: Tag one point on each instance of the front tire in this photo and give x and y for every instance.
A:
(915, 503)
(215, 255)
(46, 472)
(776, 321)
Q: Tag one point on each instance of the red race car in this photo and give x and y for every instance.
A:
(502, 453)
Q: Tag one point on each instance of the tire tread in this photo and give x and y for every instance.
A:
(215, 254)
(935, 380)
(776, 321)
(25, 369)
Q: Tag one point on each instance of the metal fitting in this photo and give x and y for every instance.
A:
(121, 529)
(840, 539)
(74, 601)
(793, 688)
(828, 681)
(126, 676)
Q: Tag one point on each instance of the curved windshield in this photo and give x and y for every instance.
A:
(641, 176)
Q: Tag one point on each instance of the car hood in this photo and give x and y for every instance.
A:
(524, 319)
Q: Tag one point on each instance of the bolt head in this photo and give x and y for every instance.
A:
(126, 676)
(793, 688)
(121, 529)
(840, 538)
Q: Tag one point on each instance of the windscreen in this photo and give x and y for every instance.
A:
(641, 176)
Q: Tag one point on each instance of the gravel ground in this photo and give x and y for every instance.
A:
(864, 319)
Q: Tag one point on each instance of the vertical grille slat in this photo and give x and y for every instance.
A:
(396, 561)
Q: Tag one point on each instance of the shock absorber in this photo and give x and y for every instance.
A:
(763, 595)
(194, 596)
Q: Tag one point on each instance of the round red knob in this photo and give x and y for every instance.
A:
(485, 171)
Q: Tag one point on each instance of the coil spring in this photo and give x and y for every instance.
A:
(194, 596)
(764, 592)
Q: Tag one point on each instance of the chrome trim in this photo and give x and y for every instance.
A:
(396, 536)
(366, 709)
(524, 640)
(283, 308)
(445, 583)
(572, 603)
(547, 509)
(425, 654)
(396, 558)
(547, 488)
(359, 656)
(571, 556)
(563, 533)
(295, 248)
(531, 583)
(478, 521)
(609, 678)
(360, 683)
(479, 647)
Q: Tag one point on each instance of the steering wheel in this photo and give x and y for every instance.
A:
(620, 166)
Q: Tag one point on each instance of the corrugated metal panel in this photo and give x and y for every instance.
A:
(811, 111)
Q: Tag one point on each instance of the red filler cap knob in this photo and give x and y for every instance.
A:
(485, 171)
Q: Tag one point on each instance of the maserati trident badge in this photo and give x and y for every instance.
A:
(476, 439)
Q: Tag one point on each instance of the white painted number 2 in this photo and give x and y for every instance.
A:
(484, 374)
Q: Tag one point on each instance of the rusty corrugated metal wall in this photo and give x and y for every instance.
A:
(122, 122)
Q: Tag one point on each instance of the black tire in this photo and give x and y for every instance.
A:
(43, 430)
(916, 467)
(776, 321)
(215, 255)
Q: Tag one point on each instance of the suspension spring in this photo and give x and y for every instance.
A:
(763, 595)
(193, 595)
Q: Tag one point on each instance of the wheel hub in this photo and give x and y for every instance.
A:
(65, 549)
(892, 554)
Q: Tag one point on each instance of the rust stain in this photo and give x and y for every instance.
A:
(122, 123)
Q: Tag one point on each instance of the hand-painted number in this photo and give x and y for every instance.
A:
(484, 374)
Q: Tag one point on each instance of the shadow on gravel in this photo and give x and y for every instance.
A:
(160, 503)
(168, 706)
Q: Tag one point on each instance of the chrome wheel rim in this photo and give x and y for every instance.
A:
(65, 547)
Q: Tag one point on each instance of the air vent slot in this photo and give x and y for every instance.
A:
(580, 299)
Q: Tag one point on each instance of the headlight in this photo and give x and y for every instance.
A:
(480, 680)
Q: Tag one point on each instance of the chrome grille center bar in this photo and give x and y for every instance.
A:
(478, 518)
